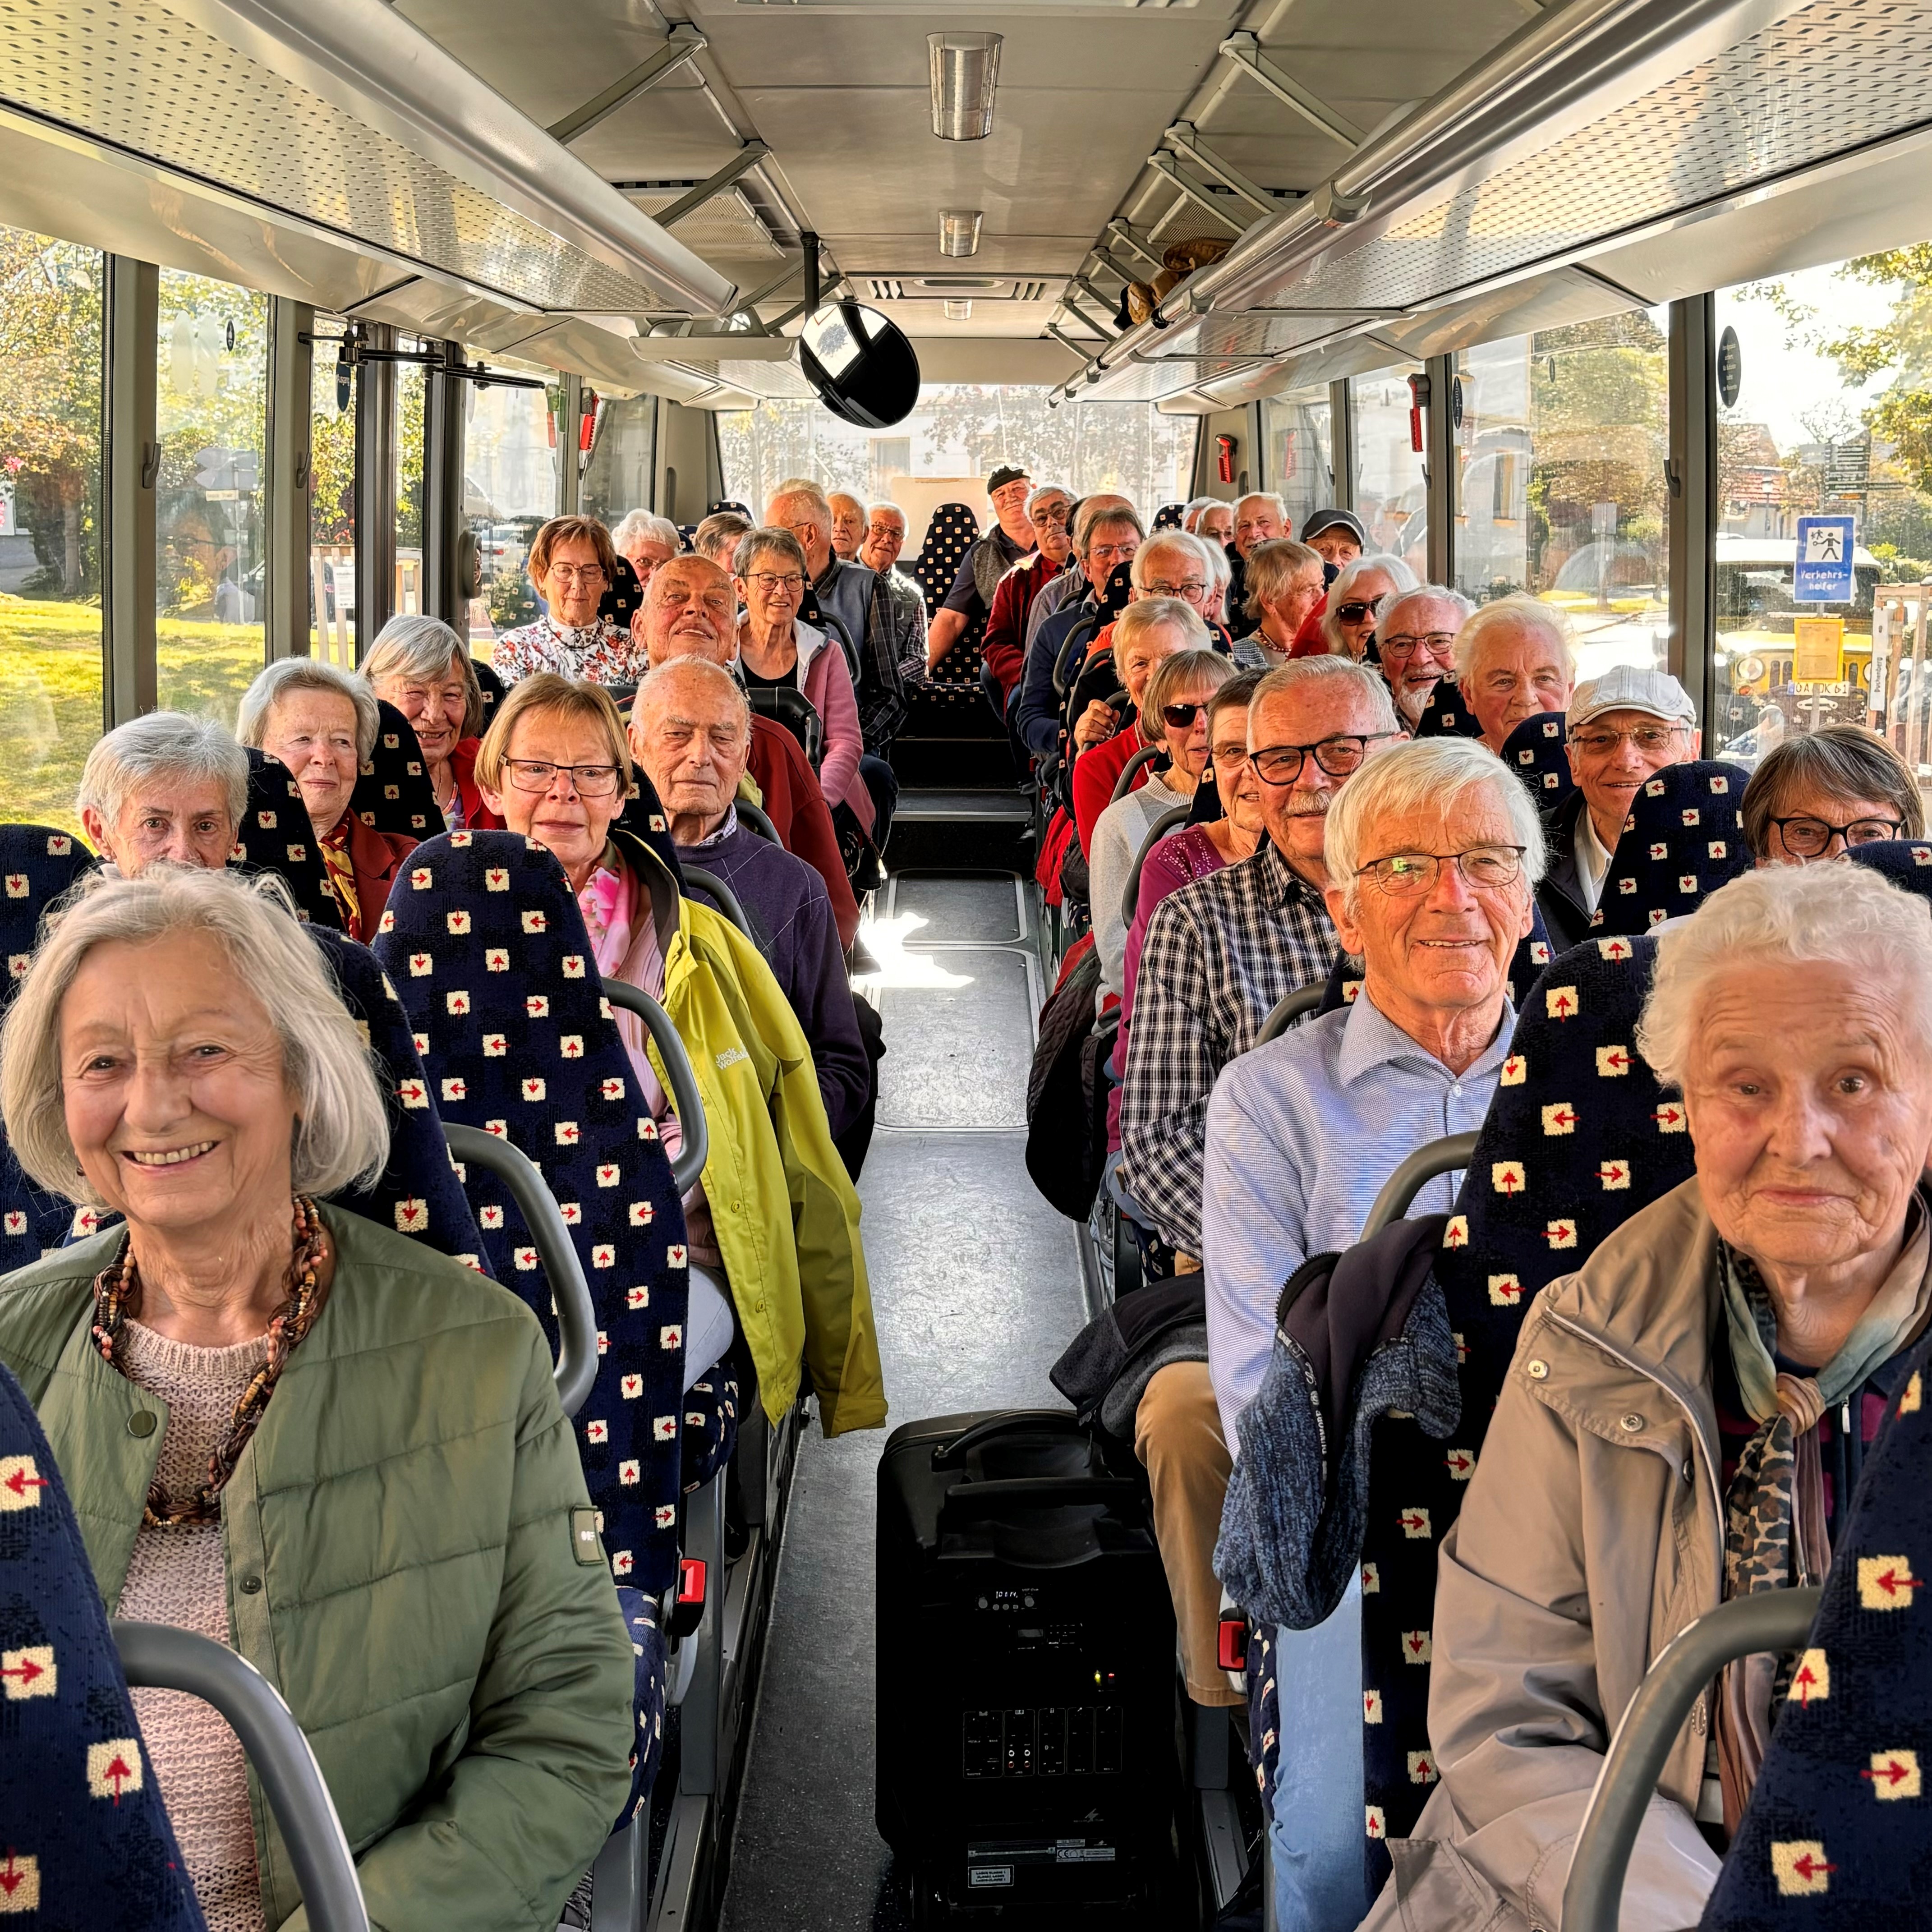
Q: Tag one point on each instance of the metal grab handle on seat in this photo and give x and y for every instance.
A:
(1290, 1007)
(1768, 1620)
(159, 1657)
(1174, 814)
(685, 1097)
(1451, 1152)
(1081, 634)
(760, 823)
(713, 887)
(576, 1314)
(1124, 783)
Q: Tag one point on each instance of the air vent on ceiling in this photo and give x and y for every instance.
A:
(1029, 291)
(885, 288)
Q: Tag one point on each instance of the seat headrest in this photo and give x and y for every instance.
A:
(1535, 751)
(393, 792)
(1119, 591)
(1445, 715)
(1683, 839)
(275, 836)
(623, 594)
(1907, 862)
(40, 862)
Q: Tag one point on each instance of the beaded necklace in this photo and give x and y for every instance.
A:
(117, 1295)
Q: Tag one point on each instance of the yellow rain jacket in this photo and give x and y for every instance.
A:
(784, 1211)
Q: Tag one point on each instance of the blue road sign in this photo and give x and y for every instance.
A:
(1824, 573)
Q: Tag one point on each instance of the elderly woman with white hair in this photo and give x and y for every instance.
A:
(1513, 659)
(164, 788)
(297, 1433)
(645, 540)
(419, 664)
(1355, 598)
(1686, 1417)
(321, 722)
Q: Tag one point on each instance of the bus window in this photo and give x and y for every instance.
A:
(1391, 497)
(509, 493)
(1300, 460)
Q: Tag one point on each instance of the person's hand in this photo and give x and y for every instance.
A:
(1096, 722)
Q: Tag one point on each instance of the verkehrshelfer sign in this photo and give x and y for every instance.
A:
(1824, 572)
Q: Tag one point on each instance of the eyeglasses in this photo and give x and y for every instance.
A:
(539, 775)
(1191, 592)
(1179, 717)
(1230, 758)
(1434, 643)
(587, 574)
(1048, 513)
(1357, 608)
(1117, 553)
(1408, 874)
(773, 585)
(1808, 837)
(1644, 737)
(1338, 756)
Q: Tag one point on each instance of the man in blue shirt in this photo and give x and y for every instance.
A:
(1433, 855)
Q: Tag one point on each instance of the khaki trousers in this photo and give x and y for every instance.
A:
(1177, 1438)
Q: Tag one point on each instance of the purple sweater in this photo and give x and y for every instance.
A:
(792, 924)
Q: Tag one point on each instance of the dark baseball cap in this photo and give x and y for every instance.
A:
(1319, 521)
(1007, 473)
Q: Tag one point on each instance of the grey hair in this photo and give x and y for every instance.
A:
(163, 745)
(1151, 613)
(276, 681)
(770, 540)
(1271, 567)
(1194, 667)
(425, 647)
(1848, 916)
(1841, 760)
(1177, 542)
(1441, 592)
(1284, 679)
(644, 527)
(873, 509)
(814, 494)
(1397, 572)
(1191, 510)
(1513, 613)
(341, 1129)
(1429, 774)
(714, 676)
(1262, 496)
(1047, 490)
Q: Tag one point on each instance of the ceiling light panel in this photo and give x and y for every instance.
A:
(965, 79)
(959, 231)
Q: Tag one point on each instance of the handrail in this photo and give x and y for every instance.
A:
(1767, 1620)
(1290, 1007)
(160, 1657)
(1174, 814)
(576, 1314)
(729, 903)
(1124, 783)
(1082, 633)
(759, 821)
(1448, 1155)
(684, 1097)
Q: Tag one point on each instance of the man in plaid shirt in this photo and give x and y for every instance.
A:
(1219, 954)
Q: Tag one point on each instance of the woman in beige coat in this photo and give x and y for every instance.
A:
(1673, 1430)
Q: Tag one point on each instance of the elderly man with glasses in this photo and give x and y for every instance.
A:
(1048, 510)
(1622, 726)
(1415, 638)
(1102, 543)
(881, 541)
(1433, 855)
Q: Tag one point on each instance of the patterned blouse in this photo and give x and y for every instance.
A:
(604, 652)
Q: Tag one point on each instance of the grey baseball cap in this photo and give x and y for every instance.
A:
(1632, 687)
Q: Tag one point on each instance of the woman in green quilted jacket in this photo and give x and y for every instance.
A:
(300, 1434)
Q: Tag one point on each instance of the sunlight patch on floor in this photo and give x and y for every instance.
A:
(886, 940)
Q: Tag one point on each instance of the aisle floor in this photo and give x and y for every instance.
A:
(976, 1284)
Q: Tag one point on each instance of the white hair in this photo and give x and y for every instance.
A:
(643, 526)
(423, 647)
(1847, 918)
(1428, 775)
(1510, 614)
(1177, 543)
(1155, 613)
(1263, 497)
(1398, 574)
(714, 677)
(1191, 510)
(164, 747)
(1047, 490)
(1285, 679)
(893, 510)
(276, 681)
(1441, 592)
(340, 1130)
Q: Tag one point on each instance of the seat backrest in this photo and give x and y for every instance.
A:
(1170, 516)
(40, 863)
(952, 532)
(796, 712)
(1820, 1845)
(491, 687)
(1534, 751)
(1683, 839)
(275, 836)
(393, 792)
(1907, 862)
(727, 504)
(484, 942)
(87, 1839)
(1579, 1138)
(624, 595)
(1445, 715)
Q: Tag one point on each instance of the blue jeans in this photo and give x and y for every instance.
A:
(1319, 1822)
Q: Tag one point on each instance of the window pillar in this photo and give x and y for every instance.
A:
(133, 463)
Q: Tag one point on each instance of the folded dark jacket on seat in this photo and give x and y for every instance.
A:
(1358, 1335)
(1108, 1364)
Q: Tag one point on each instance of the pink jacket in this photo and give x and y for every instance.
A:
(823, 677)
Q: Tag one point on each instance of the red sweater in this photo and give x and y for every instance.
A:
(1004, 647)
(1095, 772)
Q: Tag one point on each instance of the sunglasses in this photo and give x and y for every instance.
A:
(1179, 717)
(1357, 608)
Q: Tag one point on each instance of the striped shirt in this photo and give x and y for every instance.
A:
(1218, 955)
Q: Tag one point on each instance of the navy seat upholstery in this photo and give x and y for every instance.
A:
(484, 941)
(86, 1838)
(1534, 751)
(624, 595)
(275, 836)
(393, 792)
(711, 1409)
(1907, 862)
(1579, 1138)
(727, 504)
(39, 863)
(1445, 715)
(647, 1647)
(1683, 839)
(1170, 516)
(952, 532)
(1837, 1833)
(491, 687)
